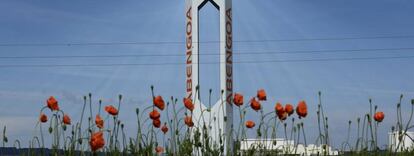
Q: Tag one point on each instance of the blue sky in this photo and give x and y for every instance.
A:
(346, 85)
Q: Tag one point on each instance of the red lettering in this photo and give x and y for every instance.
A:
(189, 45)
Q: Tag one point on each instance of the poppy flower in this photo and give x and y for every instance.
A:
(379, 116)
(97, 141)
(302, 109)
(238, 99)
(188, 104)
(99, 122)
(52, 103)
(43, 118)
(156, 123)
(159, 149)
(164, 128)
(154, 114)
(289, 109)
(66, 119)
(159, 102)
(261, 95)
(250, 124)
(188, 120)
(255, 104)
(279, 108)
(111, 110)
(283, 116)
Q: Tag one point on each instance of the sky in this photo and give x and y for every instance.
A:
(346, 85)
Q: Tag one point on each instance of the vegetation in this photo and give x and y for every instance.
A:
(179, 135)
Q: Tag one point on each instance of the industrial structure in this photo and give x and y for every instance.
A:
(285, 147)
(220, 116)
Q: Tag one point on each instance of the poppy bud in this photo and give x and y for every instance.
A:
(50, 129)
(64, 127)
(120, 97)
(259, 134)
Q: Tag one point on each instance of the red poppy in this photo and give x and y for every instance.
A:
(302, 109)
(97, 141)
(43, 118)
(66, 119)
(154, 114)
(159, 149)
(188, 104)
(261, 95)
(279, 108)
(250, 124)
(159, 102)
(99, 122)
(164, 128)
(238, 99)
(52, 103)
(156, 123)
(379, 116)
(111, 110)
(188, 120)
(283, 116)
(255, 104)
(289, 109)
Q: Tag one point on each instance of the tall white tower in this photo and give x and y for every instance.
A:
(220, 117)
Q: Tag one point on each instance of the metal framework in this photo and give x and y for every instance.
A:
(220, 116)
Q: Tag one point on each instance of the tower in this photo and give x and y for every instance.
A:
(220, 115)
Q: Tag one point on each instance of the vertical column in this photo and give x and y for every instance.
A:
(228, 41)
(189, 48)
(223, 109)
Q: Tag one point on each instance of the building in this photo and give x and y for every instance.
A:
(284, 146)
(405, 142)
